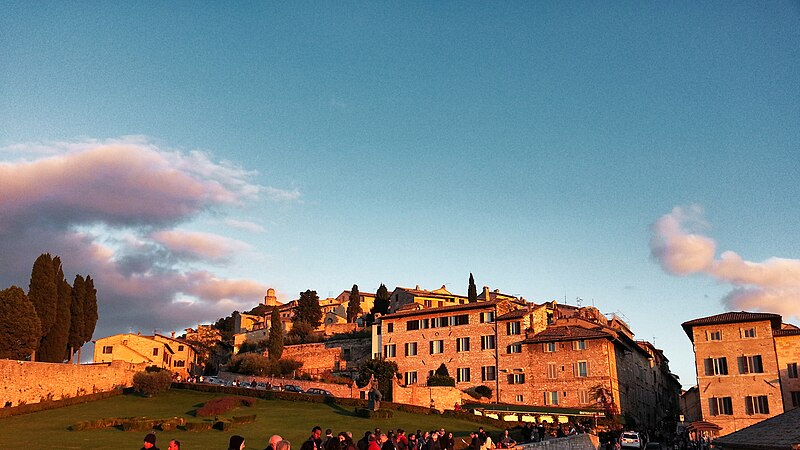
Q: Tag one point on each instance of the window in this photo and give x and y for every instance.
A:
(428, 303)
(552, 371)
(516, 378)
(462, 375)
(411, 349)
(461, 319)
(519, 399)
(720, 406)
(514, 348)
(155, 351)
(791, 370)
(179, 363)
(346, 354)
(180, 348)
(512, 328)
(716, 366)
(749, 332)
(579, 345)
(750, 364)
(437, 347)
(487, 317)
(549, 347)
(795, 399)
(756, 405)
(551, 398)
(581, 369)
(412, 325)
(584, 397)
(488, 373)
(487, 342)
(108, 349)
(389, 351)
(462, 344)
(439, 322)
(410, 377)
(390, 328)
(715, 335)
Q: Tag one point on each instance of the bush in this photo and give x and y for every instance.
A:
(441, 380)
(355, 334)
(484, 391)
(198, 426)
(221, 405)
(329, 378)
(260, 365)
(152, 383)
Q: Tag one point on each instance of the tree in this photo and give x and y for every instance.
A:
(472, 293)
(20, 328)
(275, 335)
(300, 333)
(441, 377)
(354, 305)
(308, 309)
(43, 292)
(76, 309)
(381, 304)
(53, 347)
(89, 310)
(381, 369)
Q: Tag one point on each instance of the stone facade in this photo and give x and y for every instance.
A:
(25, 382)
(168, 353)
(742, 364)
(787, 346)
(437, 397)
(316, 358)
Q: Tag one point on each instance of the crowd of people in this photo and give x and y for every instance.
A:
(399, 439)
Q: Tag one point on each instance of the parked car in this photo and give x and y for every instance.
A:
(277, 387)
(631, 439)
(293, 388)
(317, 391)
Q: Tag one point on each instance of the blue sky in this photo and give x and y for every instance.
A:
(321, 144)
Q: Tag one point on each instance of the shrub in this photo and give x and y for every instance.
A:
(152, 383)
(441, 380)
(198, 426)
(221, 405)
(243, 419)
(355, 334)
(484, 391)
(330, 378)
(260, 365)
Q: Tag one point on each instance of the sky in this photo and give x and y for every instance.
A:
(640, 157)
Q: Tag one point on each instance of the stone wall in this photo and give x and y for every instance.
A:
(575, 442)
(24, 382)
(338, 390)
(316, 358)
(438, 397)
(788, 349)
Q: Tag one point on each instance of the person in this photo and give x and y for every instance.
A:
(174, 445)
(273, 441)
(487, 443)
(283, 445)
(402, 440)
(347, 441)
(506, 441)
(373, 442)
(331, 441)
(482, 435)
(540, 431)
(412, 442)
(448, 441)
(314, 441)
(149, 442)
(433, 442)
(363, 443)
(386, 443)
(236, 442)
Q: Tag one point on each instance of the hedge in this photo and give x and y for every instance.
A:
(54, 404)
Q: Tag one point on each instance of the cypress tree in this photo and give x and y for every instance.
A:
(381, 304)
(472, 293)
(354, 305)
(89, 309)
(275, 335)
(75, 340)
(43, 292)
(54, 344)
(20, 328)
(308, 309)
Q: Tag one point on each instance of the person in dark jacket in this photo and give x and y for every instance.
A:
(149, 442)
(236, 442)
(363, 443)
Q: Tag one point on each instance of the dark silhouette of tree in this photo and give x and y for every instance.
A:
(275, 335)
(354, 305)
(89, 310)
(225, 327)
(77, 317)
(53, 347)
(381, 304)
(43, 292)
(308, 309)
(20, 328)
(441, 377)
(472, 293)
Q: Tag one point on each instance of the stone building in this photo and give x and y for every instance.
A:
(170, 353)
(746, 367)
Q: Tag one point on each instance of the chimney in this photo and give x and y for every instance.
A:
(418, 288)
(486, 293)
(173, 334)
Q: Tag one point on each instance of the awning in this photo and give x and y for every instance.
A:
(702, 425)
(540, 410)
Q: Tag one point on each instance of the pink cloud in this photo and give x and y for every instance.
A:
(199, 245)
(772, 285)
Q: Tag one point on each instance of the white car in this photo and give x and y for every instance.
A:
(631, 439)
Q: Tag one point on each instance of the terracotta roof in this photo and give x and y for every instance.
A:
(441, 309)
(731, 317)
(516, 314)
(776, 433)
(786, 332)
(566, 333)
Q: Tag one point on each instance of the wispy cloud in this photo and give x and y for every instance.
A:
(112, 209)
(282, 195)
(771, 285)
(245, 225)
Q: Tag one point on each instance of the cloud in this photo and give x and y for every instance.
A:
(113, 209)
(245, 225)
(282, 195)
(772, 285)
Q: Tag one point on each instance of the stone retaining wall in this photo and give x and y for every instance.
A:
(25, 382)
(574, 442)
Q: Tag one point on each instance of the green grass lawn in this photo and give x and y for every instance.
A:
(292, 420)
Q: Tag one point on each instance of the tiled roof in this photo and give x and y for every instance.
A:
(566, 333)
(786, 332)
(516, 314)
(441, 309)
(776, 433)
(731, 317)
